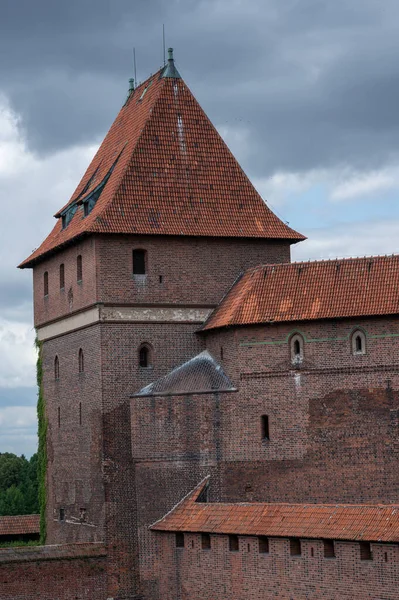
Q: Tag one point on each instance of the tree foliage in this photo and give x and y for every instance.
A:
(18, 485)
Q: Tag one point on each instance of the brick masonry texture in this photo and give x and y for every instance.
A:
(53, 573)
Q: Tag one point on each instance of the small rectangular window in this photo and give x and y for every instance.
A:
(329, 548)
(233, 543)
(62, 514)
(295, 547)
(265, 427)
(179, 539)
(205, 541)
(365, 551)
(263, 543)
(139, 260)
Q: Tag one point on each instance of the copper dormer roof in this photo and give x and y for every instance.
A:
(163, 169)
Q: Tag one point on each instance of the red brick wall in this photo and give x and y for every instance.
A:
(53, 573)
(74, 296)
(334, 434)
(194, 271)
(218, 574)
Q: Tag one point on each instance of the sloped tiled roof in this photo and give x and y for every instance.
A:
(202, 374)
(174, 176)
(20, 525)
(374, 523)
(354, 287)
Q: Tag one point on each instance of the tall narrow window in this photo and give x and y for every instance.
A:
(205, 541)
(45, 283)
(145, 355)
(329, 548)
(62, 514)
(295, 547)
(358, 342)
(365, 551)
(56, 368)
(81, 361)
(139, 262)
(80, 413)
(179, 539)
(62, 276)
(264, 421)
(296, 349)
(263, 543)
(79, 268)
(59, 417)
(233, 543)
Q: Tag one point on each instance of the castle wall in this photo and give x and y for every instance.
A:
(191, 573)
(75, 572)
(333, 419)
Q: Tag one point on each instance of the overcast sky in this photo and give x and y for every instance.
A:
(305, 93)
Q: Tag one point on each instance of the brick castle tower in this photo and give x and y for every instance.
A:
(159, 228)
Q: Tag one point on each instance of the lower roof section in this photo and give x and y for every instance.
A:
(332, 289)
(354, 522)
(20, 525)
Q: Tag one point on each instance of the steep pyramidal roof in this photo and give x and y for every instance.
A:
(163, 169)
(341, 288)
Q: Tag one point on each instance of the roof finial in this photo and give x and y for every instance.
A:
(131, 85)
(170, 69)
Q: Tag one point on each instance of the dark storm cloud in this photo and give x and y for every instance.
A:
(313, 83)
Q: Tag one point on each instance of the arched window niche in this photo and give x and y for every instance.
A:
(145, 356)
(296, 349)
(358, 342)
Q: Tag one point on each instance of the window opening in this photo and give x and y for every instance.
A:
(81, 361)
(179, 539)
(144, 356)
(365, 551)
(358, 343)
(295, 547)
(160, 279)
(79, 268)
(62, 276)
(82, 515)
(45, 283)
(221, 352)
(80, 413)
(233, 543)
(56, 368)
(139, 260)
(205, 541)
(386, 556)
(68, 214)
(62, 514)
(59, 417)
(265, 427)
(312, 552)
(329, 548)
(296, 349)
(263, 543)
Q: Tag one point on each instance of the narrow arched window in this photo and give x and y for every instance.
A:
(45, 283)
(62, 276)
(79, 268)
(358, 342)
(139, 262)
(56, 368)
(81, 361)
(296, 349)
(145, 355)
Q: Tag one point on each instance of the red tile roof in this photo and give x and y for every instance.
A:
(20, 525)
(374, 523)
(174, 176)
(305, 291)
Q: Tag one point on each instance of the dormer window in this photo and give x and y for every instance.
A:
(358, 342)
(68, 214)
